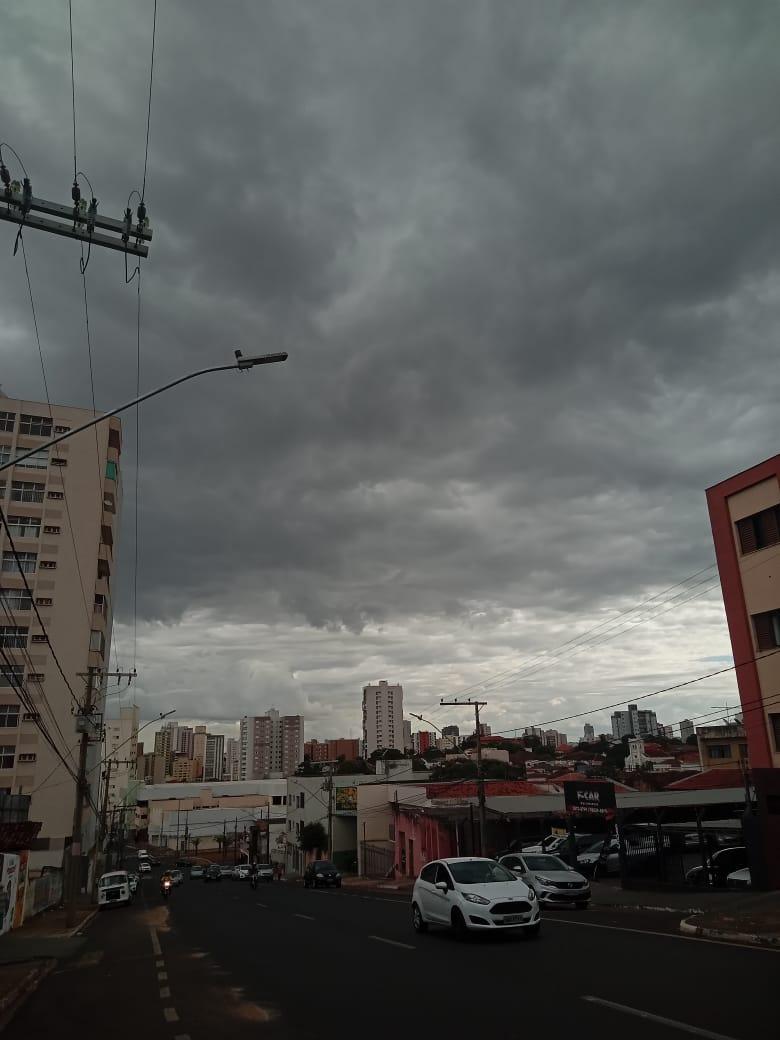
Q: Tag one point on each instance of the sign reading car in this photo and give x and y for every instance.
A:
(589, 797)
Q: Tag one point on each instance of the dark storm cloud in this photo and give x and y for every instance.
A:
(523, 257)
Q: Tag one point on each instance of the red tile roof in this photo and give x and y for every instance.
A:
(709, 780)
(493, 789)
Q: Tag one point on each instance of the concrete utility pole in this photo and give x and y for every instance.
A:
(84, 724)
(480, 778)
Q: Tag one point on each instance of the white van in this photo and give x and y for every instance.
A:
(114, 889)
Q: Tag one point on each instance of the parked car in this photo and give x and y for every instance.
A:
(558, 844)
(133, 880)
(227, 871)
(553, 880)
(213, 872)
(114, 889)
(606, 858)
(265, 872)
(177, 877)
(740, 878)
(240, 873)
(473, 894)
(196, 872)
(719, 865)
(144, 866)
(321, 874)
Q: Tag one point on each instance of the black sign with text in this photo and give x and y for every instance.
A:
(591, 798)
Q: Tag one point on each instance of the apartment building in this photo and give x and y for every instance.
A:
(745, 518)
(121, 739)
(213, 765)
(383, 717)
(62, 506)
(634, 723)
(721, 746)
(331, 750)
(199, 746)
(232, 759)
(271, 745)
(185, 741)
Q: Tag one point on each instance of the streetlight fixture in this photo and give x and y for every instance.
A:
(241, 364)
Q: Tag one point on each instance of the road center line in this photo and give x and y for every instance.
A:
(392, 942)
(263, 906)
(159, 964)
(155, 943)
(305, 917)
(663, 935)
(162, 976)
(165, 993)
(649, 1017)
(170, 1015)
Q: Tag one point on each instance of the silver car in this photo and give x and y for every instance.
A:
(551, 879)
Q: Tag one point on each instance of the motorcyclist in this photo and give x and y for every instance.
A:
(166, 884)
(253, 875)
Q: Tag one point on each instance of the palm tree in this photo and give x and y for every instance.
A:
(221, 841)
(195, 843)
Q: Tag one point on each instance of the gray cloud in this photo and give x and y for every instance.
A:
(524, 259)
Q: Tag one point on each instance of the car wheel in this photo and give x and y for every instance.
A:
(532, 932)
(418, 922)
(459, 929)
(581, 905)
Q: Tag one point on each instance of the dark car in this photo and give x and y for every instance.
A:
(197, 872)
(213, 872)
(719, 865)
(321, 874)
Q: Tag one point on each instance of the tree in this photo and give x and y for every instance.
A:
(313, 837)
(347, 767)
(309, 768)
(386, 753)
(432, 754)
(195, 843)
(222, 841)
(693, 740)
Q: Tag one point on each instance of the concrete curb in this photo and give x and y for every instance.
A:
(771, 942)
(12, 1001)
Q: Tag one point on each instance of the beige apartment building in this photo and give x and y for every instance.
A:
(121, 741)
(383, 717)
(271, 745)
(62, 506)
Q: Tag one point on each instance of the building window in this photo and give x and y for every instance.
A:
(21, 561)
(97, 641)
(44, 601)
(7, 756)
(16, 599)
(62, 429)
(51, 529)
(24, 526)
(36, 677)
(14, 636)
(48, 565)
(30, 716)
(100, 604)
(38, 638)
(55, 494)
(5, 454)
(38, 460)
(26, 491)
(59, 462)
(11, 675)
(9, 716)
(767, 629)
(35, 425)
(28, 757)
(760, 530)
(114, 438)
(109, 503)
(111, 470)
(7, 421)
(719, 751)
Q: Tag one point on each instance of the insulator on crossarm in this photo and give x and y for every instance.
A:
(26, 194)
(5, 177)
(92, 215)
(75, 193)
(128, 225)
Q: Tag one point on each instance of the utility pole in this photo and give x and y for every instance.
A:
(480, 778)
(85, 725)
(224, 838)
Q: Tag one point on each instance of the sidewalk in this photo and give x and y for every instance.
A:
(755, 919)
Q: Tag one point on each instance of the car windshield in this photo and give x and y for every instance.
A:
(479, 872)
(544, 863)
(263, 866)
(112, 879)
(322, 866)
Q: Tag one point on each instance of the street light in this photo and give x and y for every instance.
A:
(241, 364)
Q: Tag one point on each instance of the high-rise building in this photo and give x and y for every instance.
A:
(214, 760)
(232, 758)
(554, 739)
(165, 739)
(62, 506)
(407, 731)
(185, 770)
(271, 745)
(422, 740)
(589, 733)
(185, 741)
(634, 723)
(199, 746)
(383, 717)
(121, 739)
(687, 729)
(484, 730)
(450, 731)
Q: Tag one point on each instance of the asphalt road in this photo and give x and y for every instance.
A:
(282, 962)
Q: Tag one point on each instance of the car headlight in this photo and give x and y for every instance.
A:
(337, 875)
(531, 894)
(470, 897)
(543, 880)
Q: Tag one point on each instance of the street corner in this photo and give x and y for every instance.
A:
(745, 929)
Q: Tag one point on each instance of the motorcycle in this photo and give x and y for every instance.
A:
(165, 888)
(253, 880)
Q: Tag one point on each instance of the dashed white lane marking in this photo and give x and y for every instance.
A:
(169, 1014)
(162, 976)
(263, 906)
(649, 1017)
(155, 943)
(165, 993)
(305, 917)
(159, 964)
(392, 942)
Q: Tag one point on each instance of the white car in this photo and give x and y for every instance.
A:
(552, 879)
(739, 878)
(114, 889)
(240, 873)
(473, 894)
(144, 867)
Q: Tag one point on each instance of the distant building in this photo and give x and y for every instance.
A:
(687, 729)
(450, 731)
(484, 730)
(271, 745)
(407, 735)
(422, 740)
(589, 733)
(199, 745)
(185, 770)
(634, 723)
(722, 746)
(554, 739)
(120, 743)
(331, 750)
(232, 758)
(383, 717)
(215, 751)
(666, 731)
(534, 731)
(185, 736)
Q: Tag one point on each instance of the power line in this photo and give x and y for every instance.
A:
(72, 86)
(149, 105)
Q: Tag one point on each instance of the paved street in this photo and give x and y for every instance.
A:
(222, 960)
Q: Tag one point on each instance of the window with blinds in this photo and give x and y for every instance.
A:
(759, 530)
(767, 629)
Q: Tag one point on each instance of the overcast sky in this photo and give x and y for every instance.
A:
(524, 258)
